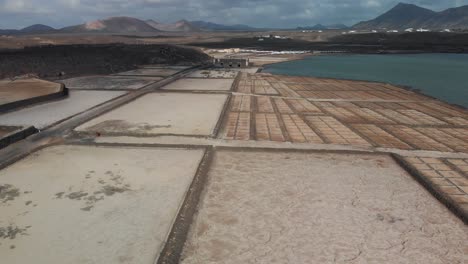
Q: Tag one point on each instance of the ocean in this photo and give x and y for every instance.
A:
(444, 76)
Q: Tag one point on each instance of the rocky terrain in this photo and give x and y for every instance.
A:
(355, 43)
(126, 25)
(33, 29)
(112, 25)
(53, 62)
(420, 41)
(404, 16)
(179, 26)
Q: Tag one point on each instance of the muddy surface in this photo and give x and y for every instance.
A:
(112, 183)
(93, 204)
(55, 62)
(154, 113)
(274, 207)
(214, 74)
(11, 232)
(8, 193)
(121, 125)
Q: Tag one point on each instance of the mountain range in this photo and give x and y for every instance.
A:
(404, 16)
(179, 26)
(128, 25)
(34, 29)
(112, 25)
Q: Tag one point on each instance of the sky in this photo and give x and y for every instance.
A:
(15, 14)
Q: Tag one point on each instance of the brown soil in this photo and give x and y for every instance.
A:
(22, 89)
(5, 130)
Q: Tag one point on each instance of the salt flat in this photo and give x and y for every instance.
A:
(162, 113)
(214, 74)
(85, 204)
(289, 207)
(163, 72)
(200, 85)
(109, 82)
(44, 115)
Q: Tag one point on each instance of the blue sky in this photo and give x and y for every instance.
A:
(261, 13)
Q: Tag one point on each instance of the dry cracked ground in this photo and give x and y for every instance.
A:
(171, 164)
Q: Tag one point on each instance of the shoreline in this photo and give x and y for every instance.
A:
(404, 87)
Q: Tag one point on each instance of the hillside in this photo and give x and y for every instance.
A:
(404, 16)
(324, 27)
(31, 30)
(152, 23)
(209, 26)
(450, 18)
(179, 26)
(112, 25)
(37, 28)
(125, 25)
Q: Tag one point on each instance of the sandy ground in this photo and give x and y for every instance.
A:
(262, 60)
(263, 207)
(11, 91)
(194, 114)
(82, 204)
(47, 114)
(108, 82)
(201, 84)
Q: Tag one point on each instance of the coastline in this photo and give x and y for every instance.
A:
(401, 86)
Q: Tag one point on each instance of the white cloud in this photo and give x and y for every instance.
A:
(264, 13)
(372, 3)
(24, 7)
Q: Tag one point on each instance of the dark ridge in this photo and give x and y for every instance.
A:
(404, 16)
(53, 62)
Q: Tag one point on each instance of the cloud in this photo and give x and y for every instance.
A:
(261, 13)
(22, 7)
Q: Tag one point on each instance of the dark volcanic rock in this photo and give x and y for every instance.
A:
(358, 43)
(75, 60)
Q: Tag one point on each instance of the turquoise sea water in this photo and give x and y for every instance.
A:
(444, 76)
